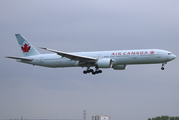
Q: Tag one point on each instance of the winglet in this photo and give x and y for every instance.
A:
(43, 48)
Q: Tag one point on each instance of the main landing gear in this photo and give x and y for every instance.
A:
(97, 71)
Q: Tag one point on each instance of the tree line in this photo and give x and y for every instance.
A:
(164, 118)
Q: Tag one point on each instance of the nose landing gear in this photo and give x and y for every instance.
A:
(162, 68)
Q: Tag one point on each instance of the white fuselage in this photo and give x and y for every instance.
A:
(119, 57)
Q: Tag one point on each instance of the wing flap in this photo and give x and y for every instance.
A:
(20, 58)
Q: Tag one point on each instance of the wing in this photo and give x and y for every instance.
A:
(20, 58)
(81, 59)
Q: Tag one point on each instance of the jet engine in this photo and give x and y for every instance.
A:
(104, 63)
(119, 67)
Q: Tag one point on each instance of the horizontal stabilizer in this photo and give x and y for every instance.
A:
(20, 58)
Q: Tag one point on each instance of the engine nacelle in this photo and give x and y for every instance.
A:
(119, 67)
(104, 63)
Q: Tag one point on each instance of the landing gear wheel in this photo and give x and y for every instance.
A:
(97, 71)
(94, 73)
(162, 68)
(91, 70)
(84, 72)
(100, 71)
(88, 71)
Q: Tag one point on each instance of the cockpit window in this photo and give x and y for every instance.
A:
(169, 53)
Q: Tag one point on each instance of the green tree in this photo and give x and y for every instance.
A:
(164, 117)
(172, 118)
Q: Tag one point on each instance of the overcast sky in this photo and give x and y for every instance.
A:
(137, 93)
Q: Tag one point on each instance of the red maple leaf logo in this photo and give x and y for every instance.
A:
(26, 48)
(152, 52)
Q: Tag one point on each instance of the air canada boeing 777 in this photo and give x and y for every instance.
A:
(116, 59)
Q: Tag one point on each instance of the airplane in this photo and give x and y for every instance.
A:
(116, 59)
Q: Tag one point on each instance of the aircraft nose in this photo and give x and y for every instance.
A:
(171, 57)
(174, 56)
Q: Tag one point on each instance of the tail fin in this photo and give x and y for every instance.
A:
(26, 47)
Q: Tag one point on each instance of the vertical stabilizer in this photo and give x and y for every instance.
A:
(26, 48)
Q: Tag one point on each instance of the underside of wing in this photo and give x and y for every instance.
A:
(73, 56)
(20, 58)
